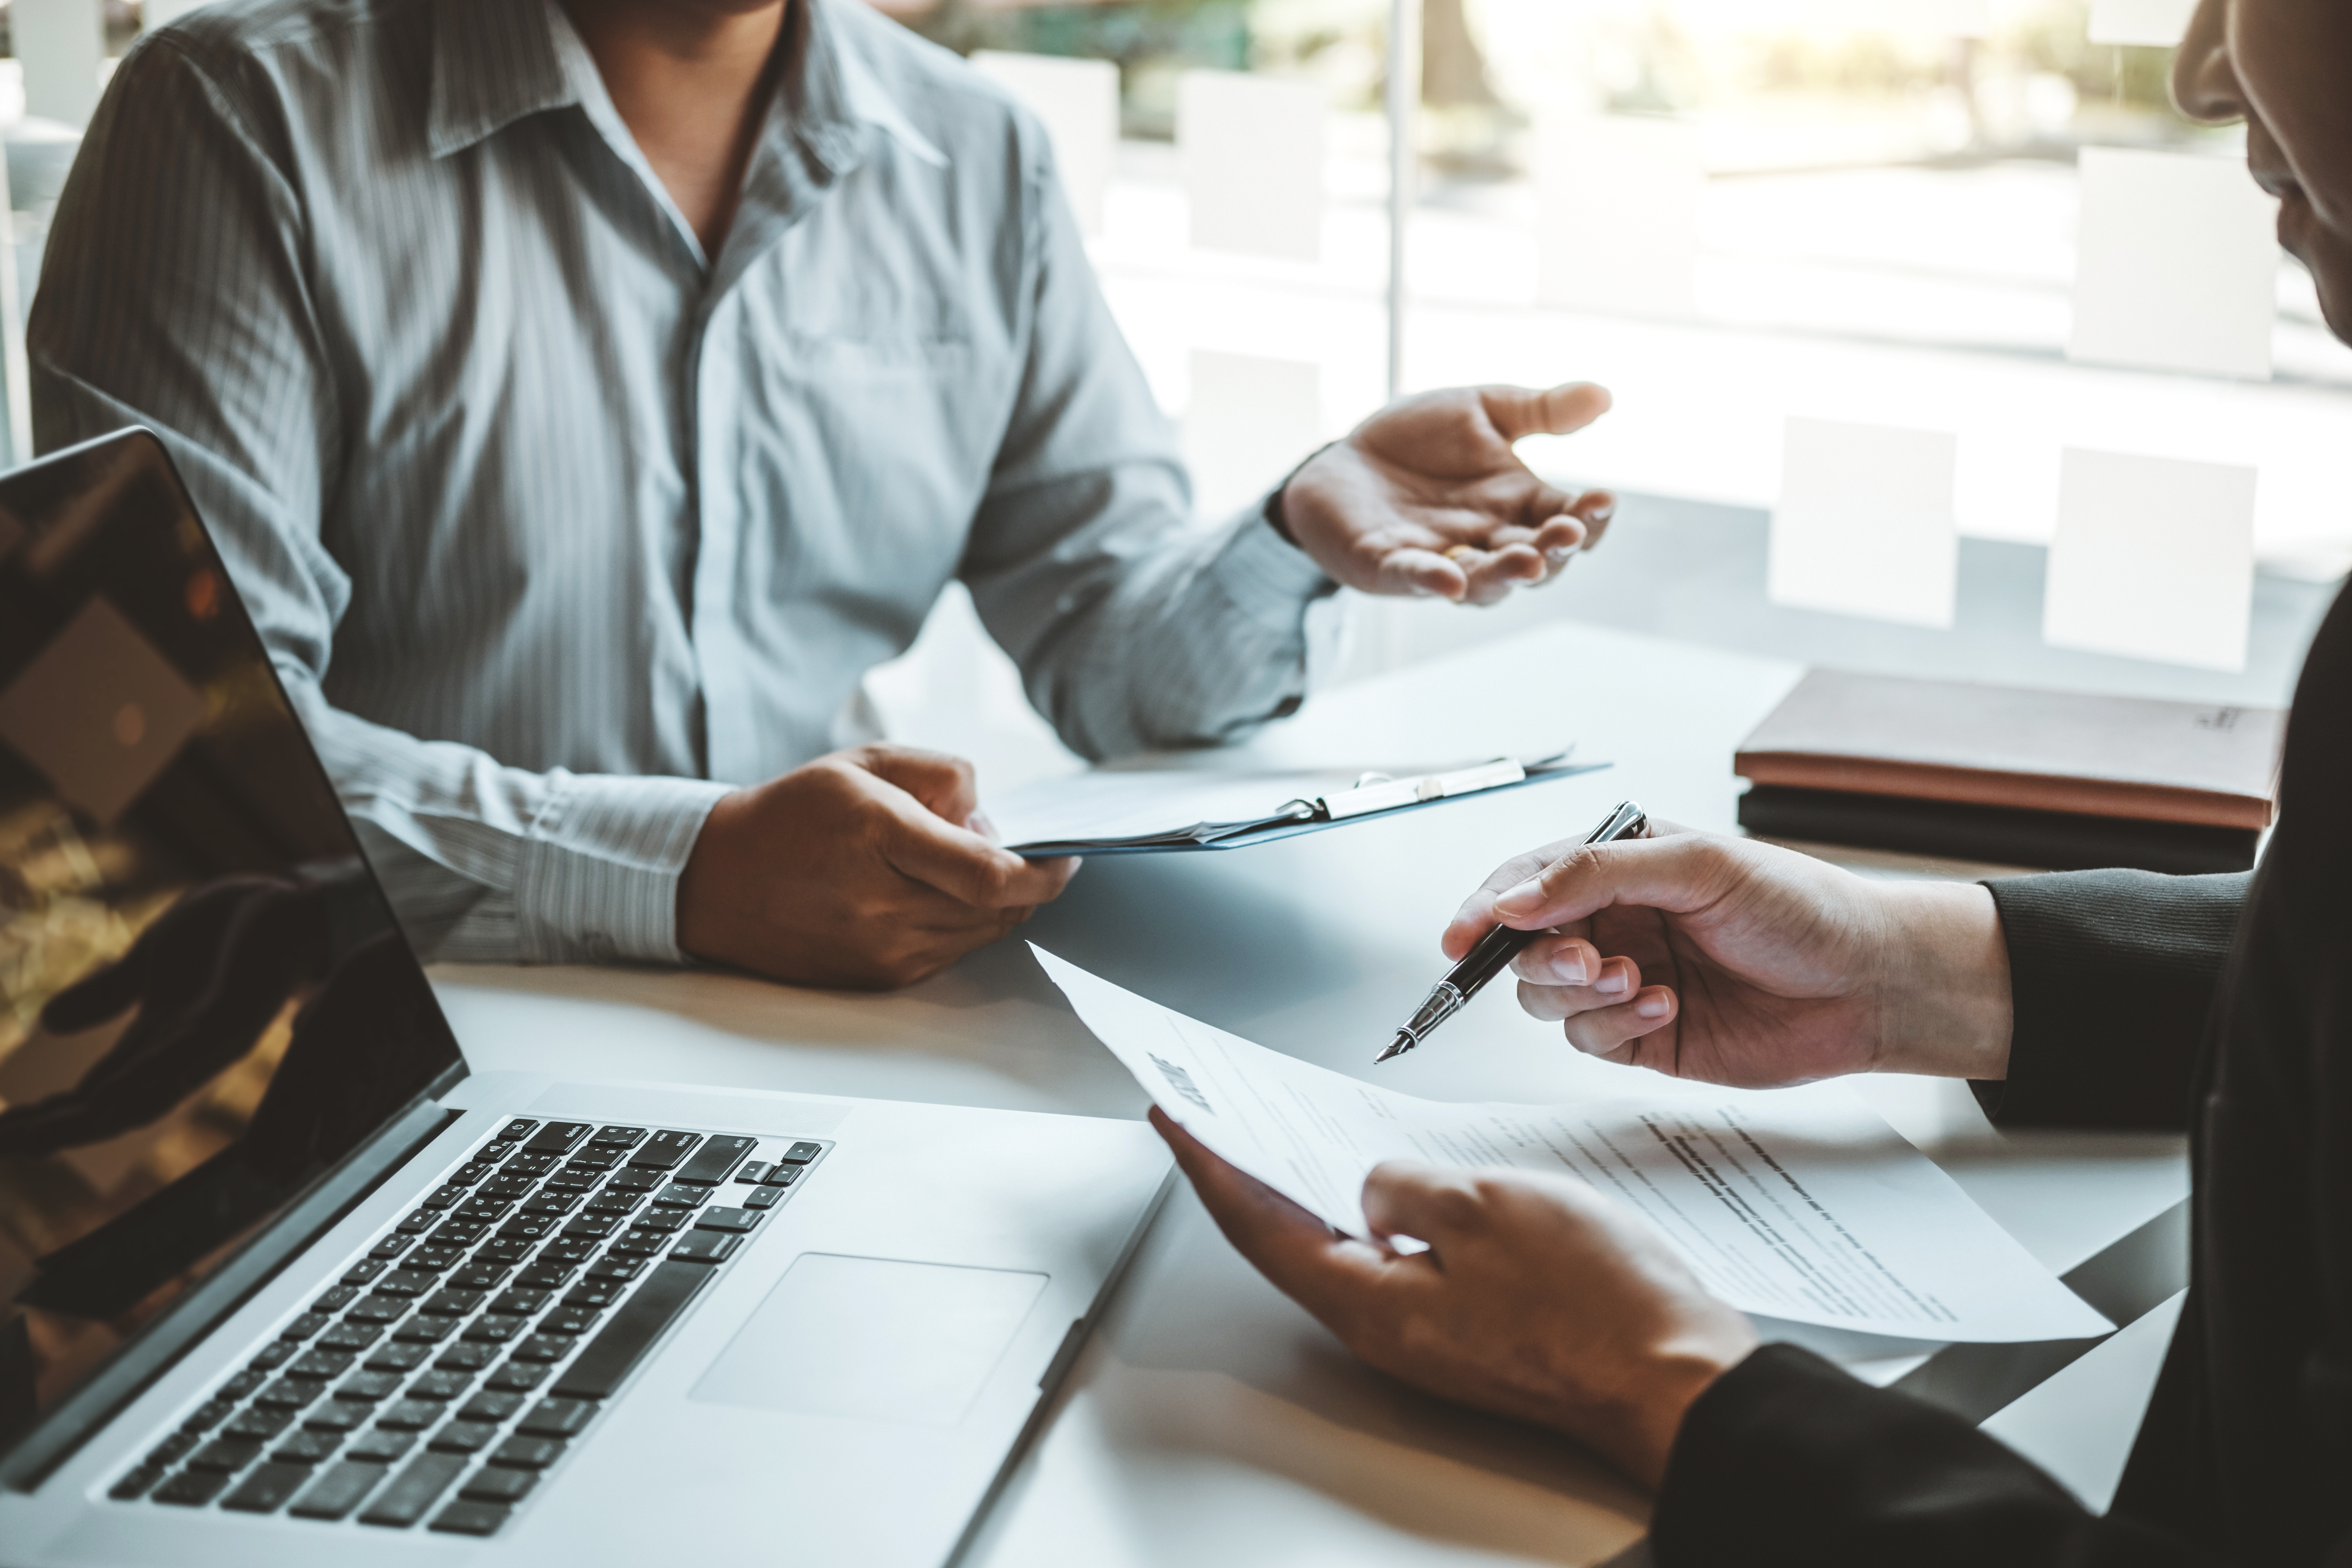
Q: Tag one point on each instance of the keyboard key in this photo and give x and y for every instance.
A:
(520, 1303)
(207, 1416)
(660, 1222)
(337, 1492)
(556, 1418)
(377, 1310)
(440, 1385)
(614, 1203)
(367, 1387)
(171, 1450)
(484, 1211)
(491, 1485)
(572, 1178)
(383, 1445)
(784, 1175)
(678, 1196)
(415, 1226)
(639, 1244)
(335, 1300)
(451, 1303)
(472, 1171)
(542, 1276)
(542, 1348)
(431, 1260)
(550, 1205)
(803, 1153)
(256, 1425)
(464, 1438)
(423, 1331)
(447, 1195)
(515, 1377)
(510, 1188)
(337, 1416)
(409, 1416)
(636, 1182)
(734, 1220)
(705, 1247)
(515, 1131)
(568, 1320)
(226, 1455)
(665, 1151)
(716, 1159)
(528, 1453)
(529, 1226)
(532, 1164)
(192, 1488)
(324, 1364)
(348, 1335)
(556, 1137)
(492, 1331)
(591, 1228)
(275, 1354)
(466, 1358)
(303, 1327)
(398, 1357)
(406, 1283)
(592, 1294)
(601, 1367)
(268, 1489)
(618, 1137)
(306, 1447)
(290, 1394)
(469, 1517)
(459, 1233)
(364, 1272)
(589, 1160)
(567, 1252)
(133, 1486)
(491, 1409)
(481, 1276)
(764, 1198)
(754, 1173)
(616, 1269)
(404, 1502)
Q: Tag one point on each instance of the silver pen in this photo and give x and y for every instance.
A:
(1494, 951)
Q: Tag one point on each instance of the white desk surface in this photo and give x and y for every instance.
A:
(1211, 1420)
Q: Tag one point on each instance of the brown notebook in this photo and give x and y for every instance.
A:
(2126, 757)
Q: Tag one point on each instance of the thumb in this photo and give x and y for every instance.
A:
(945, 784)
(1678, 876)
(1430, 1203)
(1516, 411)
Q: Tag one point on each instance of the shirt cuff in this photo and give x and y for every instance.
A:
(1265, 575)
(598, 875)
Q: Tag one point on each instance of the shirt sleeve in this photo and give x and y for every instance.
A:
(1786, 1460)
(1135, 629)
(173, 295)
(2112, 975)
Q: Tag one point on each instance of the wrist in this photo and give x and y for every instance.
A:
(1277, 517)
(1945, 1008)
(1640, 1433)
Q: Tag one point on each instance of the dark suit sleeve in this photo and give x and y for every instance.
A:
(1786, 1459)
(2112, 973)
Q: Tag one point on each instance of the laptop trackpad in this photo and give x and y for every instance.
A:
(873, 1339)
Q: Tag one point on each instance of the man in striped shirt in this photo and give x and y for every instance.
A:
(585, 395)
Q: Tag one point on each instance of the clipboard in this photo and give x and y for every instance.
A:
(1373, 796)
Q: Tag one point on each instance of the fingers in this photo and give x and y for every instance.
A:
(1679, 875)
(1407, 1197)
(1515, 411)
(1295, 1252)
(944, 784)
(966, 866)
(1561, 961)
(1601, 1024)
(1417, 573)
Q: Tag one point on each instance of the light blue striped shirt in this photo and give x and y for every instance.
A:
(558, 527)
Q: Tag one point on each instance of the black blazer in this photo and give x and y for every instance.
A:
(2220, 1005)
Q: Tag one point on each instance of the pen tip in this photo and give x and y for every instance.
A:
(1396, 1048)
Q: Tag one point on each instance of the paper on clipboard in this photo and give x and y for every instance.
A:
(1114, 812)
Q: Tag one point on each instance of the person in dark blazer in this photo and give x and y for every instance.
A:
(2218, 1004)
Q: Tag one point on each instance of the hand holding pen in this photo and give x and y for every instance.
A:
(1494, 951)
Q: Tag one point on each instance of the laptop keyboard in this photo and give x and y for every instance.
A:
(458, 1359)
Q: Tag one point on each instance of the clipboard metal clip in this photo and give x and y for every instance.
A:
(1377, 792)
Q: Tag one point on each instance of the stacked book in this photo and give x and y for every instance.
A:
(2048, 779)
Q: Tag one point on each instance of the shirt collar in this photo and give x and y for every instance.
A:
(498, 61)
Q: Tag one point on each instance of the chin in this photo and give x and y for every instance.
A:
(2331, 274)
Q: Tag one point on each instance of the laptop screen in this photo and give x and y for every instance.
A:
(205, 1003)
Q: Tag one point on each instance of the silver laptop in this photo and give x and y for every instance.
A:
(279, 1282)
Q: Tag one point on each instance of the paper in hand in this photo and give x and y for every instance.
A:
(1796, 1203)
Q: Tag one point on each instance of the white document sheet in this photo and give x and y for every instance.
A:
(2153, 559)
(2175, 264)
(1617, 212)
(1252, 149)
(1867, 524)
(1793, 1203)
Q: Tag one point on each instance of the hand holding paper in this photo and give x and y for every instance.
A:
(1794, 1203)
